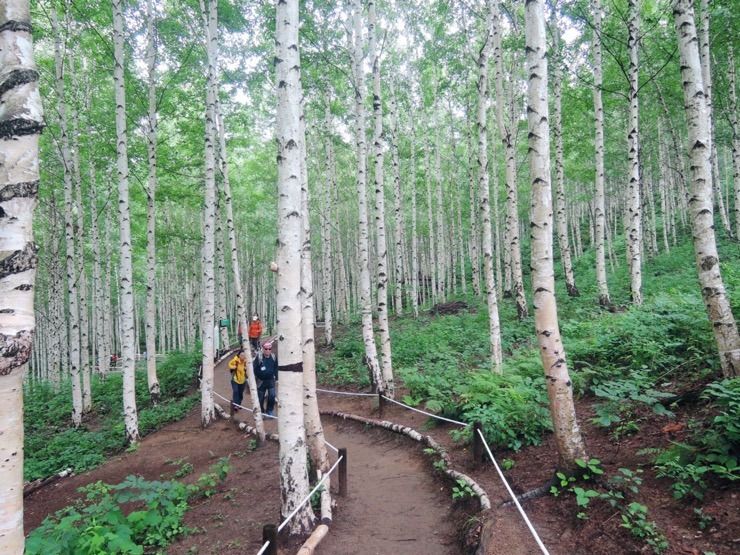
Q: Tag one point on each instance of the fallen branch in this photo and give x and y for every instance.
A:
(310, 545)
(30, 487)
(485, 502)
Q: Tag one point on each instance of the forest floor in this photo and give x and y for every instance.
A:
(397, 503)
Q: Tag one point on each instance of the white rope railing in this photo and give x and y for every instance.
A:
(263, 548)
(264, 414)
(308, 497)
(349, 393)
(513, 496)
(463, 424)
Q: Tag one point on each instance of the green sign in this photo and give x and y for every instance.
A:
(223, 323)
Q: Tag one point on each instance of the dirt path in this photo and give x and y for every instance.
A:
(395, 504)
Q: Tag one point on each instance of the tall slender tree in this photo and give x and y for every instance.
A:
(380, 234)
(294, 484)
(633, 216)
(599, 203)
(559, 386)
(494, 327)
(358, 74)
(700, 200)
(128, 339)
(151, 189)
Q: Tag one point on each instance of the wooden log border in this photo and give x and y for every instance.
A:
(485, 502)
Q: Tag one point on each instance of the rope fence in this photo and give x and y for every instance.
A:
(482, 439)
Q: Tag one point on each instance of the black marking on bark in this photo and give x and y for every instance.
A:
(7, 311)
(19, 261)
(708, 263)
(16, 26)
(19, 127)
(18, 77)
(2, 212)
(15, 350)
(24, 190)
(297, 367)
(290, 144)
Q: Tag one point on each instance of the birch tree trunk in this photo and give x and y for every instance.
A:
(599, 208)
(398, 232)
(208, 9)
(512, 203)
(559, 387)
(126, 270)
(706, 72)
(380, 236)
(633, 220)
(69, 224)
(294, 484)
(241, 310)
(371, 353)
(414, 236)
(561, 220)
(326, 217)
(314, 430)
(483, 190)
(700, 202)
(151, 188)
(21, 121)
(732, 112)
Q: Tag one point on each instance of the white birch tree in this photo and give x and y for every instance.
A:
(294, 485)
(559, 386)
(21, 121)
(126, 304)
(713, 291)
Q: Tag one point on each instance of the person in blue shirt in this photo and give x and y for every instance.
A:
(266, 369)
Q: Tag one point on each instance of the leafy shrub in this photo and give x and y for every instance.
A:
(713, 451)
(51, 444)
(101, 525)
(622, 394)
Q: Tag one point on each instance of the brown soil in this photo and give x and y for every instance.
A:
(394, 504)
(396, 501)
(452, 307)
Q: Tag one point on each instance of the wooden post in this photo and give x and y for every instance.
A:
(343, 471)
(477, 442)
(381, 403)
(270, 533)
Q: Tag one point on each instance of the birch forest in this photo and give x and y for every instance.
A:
(247, 245)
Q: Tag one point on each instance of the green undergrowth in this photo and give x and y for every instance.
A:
(629, 359)
(53, 444)
(133, 517)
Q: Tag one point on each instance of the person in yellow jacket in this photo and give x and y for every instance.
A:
(238, 369)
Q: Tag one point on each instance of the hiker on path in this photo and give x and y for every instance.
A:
(255, 331)
(266, 369)
(238, 369)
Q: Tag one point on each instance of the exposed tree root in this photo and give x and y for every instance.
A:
(533, 493)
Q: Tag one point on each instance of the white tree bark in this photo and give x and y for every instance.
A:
(208, 9)
(151, 189)
(483, 190)
(69, 224)
(706, 72)
(294, 484)
(414, 235)
(124, 216)
(512, 203)
(236, 269)
(633, 219)
(732, 113)
(599, 208)
(21, 121)
(371, 353)
(314, 430)
(700, 201)
(380, 236)
(326, 218)
(561, 219)
(559, 387)
(398, 231)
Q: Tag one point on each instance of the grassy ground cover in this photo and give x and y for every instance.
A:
(53, 444)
